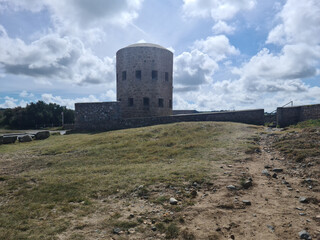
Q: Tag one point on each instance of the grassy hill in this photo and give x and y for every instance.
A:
(81, 185)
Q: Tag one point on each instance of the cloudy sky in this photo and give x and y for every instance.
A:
(228, 54)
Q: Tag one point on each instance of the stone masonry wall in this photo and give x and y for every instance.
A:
(95, 116)
(292, 115)
(144, 58)
(247, 116)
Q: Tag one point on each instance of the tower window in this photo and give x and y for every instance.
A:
(124, 75)
(154, 75)
(130, 102)
(166, 76)
(145, 101)
(170, 103)
(138, 74)
(160, 102)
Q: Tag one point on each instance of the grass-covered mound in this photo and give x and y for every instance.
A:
(45, 186)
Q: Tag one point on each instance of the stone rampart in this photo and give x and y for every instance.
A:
(97, 116)
(291, 115)
(246, 116)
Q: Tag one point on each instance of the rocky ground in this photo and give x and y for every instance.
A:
(267, 196)
(282, 202)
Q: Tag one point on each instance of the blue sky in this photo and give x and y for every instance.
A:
(227, 54)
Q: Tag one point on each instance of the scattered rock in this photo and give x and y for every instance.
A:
(42, 135)
(266, 172)
(267, 166)
(154, 228)
(285, 182)
(271, 228)
(9, 139)
(277, 170)
(274, 175)
(25, 138)
(304, 235)
(307, 181)
(116, 230)
(131, 230)
(231, 187)
(303, 200)
(300, 209)
(246, 202)
(193, 193)
(302, 214)
(131, 215)
(247, 184)
(173, 201)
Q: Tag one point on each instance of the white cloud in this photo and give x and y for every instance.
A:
(23, 103)
(300, 23)
(53, 57)
(80, 13)
(233, 95)
(9, 102)
(196, 67)
(269, 79)
(223, 27)
(217, 47)
(69, 103)
(216, 9)
(294, 62)
(25, 94)
(18, 5)
(109, 95)
(298, 33)
(193, 68)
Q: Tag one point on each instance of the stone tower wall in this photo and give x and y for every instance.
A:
(134, 88)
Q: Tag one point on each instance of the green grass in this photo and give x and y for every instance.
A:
(300, 141)
(307, 124)
(45, 185)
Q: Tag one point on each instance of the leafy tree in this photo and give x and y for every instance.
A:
(36, 115)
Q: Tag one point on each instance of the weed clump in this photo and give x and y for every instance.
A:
(172, 231)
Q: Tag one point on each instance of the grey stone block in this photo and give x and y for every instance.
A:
(9, 139)
(42, 135)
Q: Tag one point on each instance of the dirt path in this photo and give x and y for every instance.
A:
(275, 211)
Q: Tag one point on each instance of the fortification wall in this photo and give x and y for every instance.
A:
(96, 116)
(246, 116)
(291, 115)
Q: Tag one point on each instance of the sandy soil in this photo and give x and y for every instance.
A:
(275, 211)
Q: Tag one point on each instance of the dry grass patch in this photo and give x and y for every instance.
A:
(45, 185)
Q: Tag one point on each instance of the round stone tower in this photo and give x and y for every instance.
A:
(144, 80)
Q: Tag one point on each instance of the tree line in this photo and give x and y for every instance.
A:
(36, 115)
